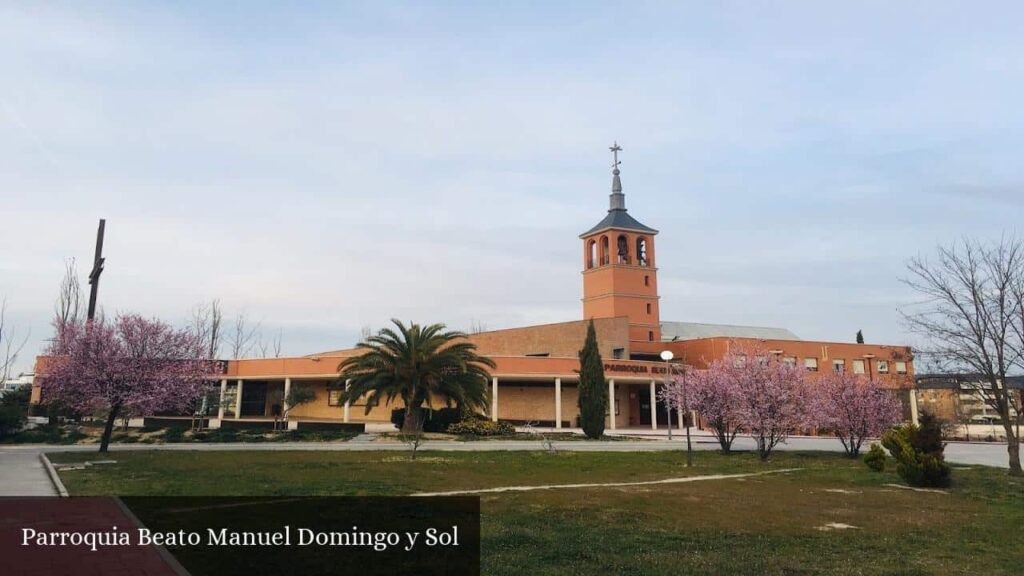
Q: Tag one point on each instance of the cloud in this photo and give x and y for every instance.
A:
(326, 169)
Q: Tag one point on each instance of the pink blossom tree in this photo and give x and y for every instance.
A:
(855, 407)
(750, 390)
(713, 393)
(132, 365)
(775, 398)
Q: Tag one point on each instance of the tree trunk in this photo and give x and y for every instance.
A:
(1013, 449)
(411, 423)
(108, 429)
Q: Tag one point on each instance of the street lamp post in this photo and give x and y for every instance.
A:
(667, 356)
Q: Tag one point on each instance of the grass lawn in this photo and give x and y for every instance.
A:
(770, 524)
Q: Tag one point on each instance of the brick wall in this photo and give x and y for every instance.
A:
(563, 339)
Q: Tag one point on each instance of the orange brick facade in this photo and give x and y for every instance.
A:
(536, 376)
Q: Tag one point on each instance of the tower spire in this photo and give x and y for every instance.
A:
(617, 200)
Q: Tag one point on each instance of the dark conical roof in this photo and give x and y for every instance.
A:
(617, 216)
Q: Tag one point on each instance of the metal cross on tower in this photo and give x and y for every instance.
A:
(615, 148)
(97, 269)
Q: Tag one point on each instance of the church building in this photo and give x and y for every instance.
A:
(536, 380)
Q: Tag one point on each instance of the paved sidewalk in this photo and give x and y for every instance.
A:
(23, 474)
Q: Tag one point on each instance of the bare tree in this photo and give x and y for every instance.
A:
(973, 320)
(477, 326)
(276, 343)
(207, 325)
(69, 297)
(11, 344)
(244, 339)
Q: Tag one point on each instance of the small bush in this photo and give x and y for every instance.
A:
(433, 420)
(480, 427)
(875, 458)
(174, 435)
(14, 410)
(12, 418)
(918, 452)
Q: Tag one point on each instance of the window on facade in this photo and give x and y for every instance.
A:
(641, 251)
(858, 366)
(650, 335)
(334, 397)
(739, 361)
(647, 280)
(648, 308)
(901, 367)
(762, 360)
(789, 360)
(883, 366)
(592, 254)
(604, 250)
(838, 365)
(618, 353)
(811, 364)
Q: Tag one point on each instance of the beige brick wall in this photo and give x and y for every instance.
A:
(558, 340)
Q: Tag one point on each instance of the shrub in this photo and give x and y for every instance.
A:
(433, 420)
(481, 427)
(12, 418)
(918, 452)
(14, 410)
(875, 458)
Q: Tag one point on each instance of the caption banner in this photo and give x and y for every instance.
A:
(240, 535)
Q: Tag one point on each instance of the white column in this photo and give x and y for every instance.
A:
(223, 393)
(344, 413)
(287, 389)
(654, 406)
(679, 412)
(494, 399)
(558, 402)
(238, 400)
(611, 404)
(913, 405)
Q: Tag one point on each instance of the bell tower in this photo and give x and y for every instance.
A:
(619, 274)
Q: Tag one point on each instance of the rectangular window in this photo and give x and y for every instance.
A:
(647, 280)
(617, 353)
(811, 364)
(858, 366)
(650, 336)
(334, 397)
(789, 360)
(648, 308)
(739, 361)
(762, 360)
(901, 368)
(883, 366)
(838, 365)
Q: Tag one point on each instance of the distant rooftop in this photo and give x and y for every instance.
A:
(694, 330)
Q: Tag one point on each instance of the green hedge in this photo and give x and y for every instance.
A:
(481, 427)
(433, 420)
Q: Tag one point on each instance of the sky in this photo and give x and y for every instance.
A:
(322, 168)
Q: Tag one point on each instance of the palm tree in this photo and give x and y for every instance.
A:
(418, 364)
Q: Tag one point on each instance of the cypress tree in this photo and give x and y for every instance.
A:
(593, 391)
(860, 337)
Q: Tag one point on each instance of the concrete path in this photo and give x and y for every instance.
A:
(680, 480)
(22, 474)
